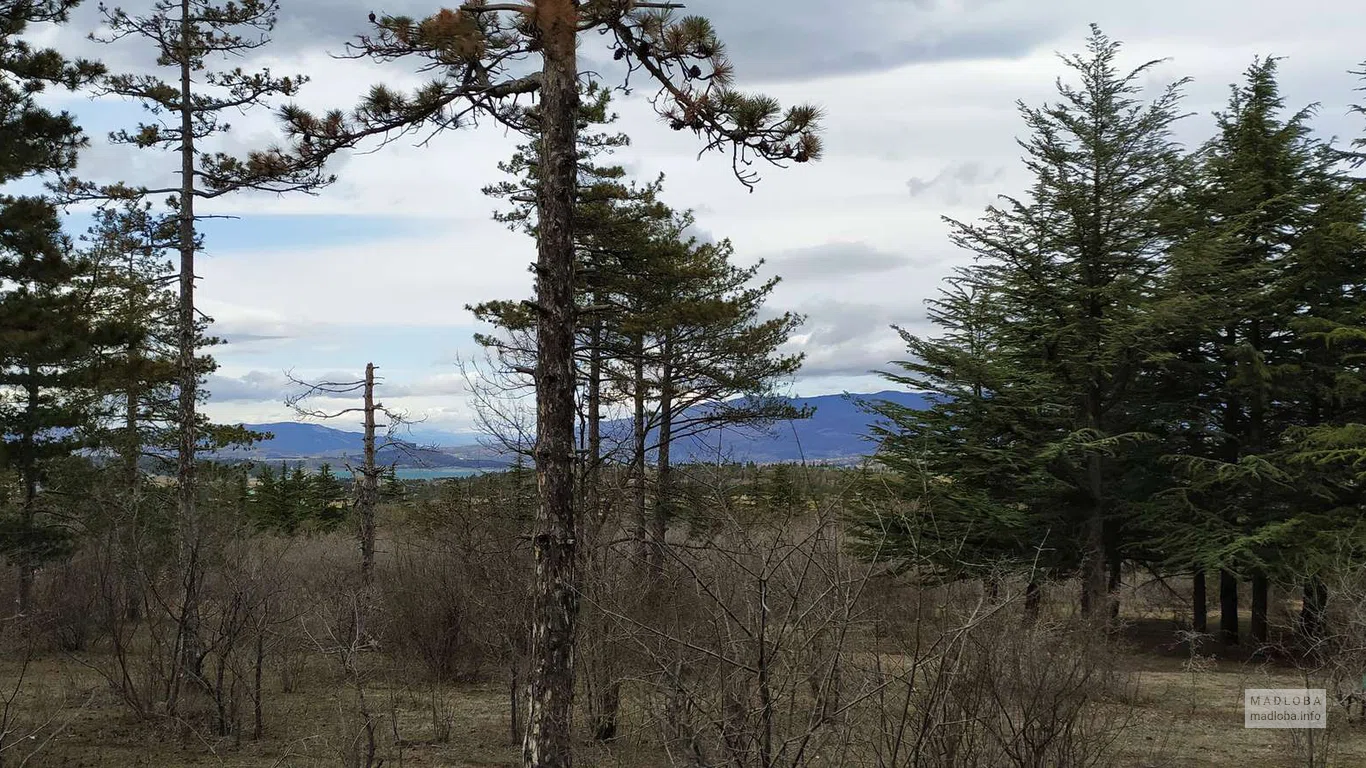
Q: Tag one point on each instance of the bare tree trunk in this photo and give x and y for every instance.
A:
(188, 657)
(29, 509)
(1261, 588)
(1199, 603)
(592, 473)
(663, 484)
(638, 452)
(1033, 598)
(555, 591)
(369, 487)
(1093, 594)
(1228, 608)
(1312, 609)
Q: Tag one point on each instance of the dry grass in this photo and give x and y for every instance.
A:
(1182, 720)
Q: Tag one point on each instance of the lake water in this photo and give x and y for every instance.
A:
(434, 473)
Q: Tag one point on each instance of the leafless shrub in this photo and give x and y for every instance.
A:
(763, 643)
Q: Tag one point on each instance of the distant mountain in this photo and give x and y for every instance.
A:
(296, 441)
(837, 431)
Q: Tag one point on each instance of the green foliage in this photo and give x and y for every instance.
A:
(1027, 454)
(295, 500)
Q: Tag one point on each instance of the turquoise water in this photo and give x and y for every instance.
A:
(434, 473)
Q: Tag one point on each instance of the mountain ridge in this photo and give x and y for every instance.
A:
(838, 430)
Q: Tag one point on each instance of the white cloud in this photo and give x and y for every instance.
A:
(915, 90)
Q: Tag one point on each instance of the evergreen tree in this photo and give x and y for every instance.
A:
(1071, 270)
(1249, 275)
(33, 140)
(980, 499)
(186, 35)
(45, 373)
(43, 333)
(477, 53)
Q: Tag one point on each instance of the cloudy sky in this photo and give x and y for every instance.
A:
(920, 97)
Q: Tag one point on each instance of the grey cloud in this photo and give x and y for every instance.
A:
(836, 260)
(955, 181)
(852, 339)
(255, 386)
(769, 42)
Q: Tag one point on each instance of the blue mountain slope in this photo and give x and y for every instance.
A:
(297, 439)
(837, 430)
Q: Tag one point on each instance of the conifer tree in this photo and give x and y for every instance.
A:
(475, 52)
(42, 338)
(981, 503)
(187, 36)
(1243, 362)
(45, 373)
(33, 140)
(1071, 270)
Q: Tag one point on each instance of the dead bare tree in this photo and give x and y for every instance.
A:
(368, 474)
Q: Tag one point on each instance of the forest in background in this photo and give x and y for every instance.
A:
(1150, 373)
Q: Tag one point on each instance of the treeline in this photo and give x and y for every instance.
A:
(1155, 359)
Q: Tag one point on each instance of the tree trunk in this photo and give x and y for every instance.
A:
(1033, 599)
(1261, 588)
(638, 452)
(1115, 582)
(663, 484)
(1093, 576)
(368, 497)
(592, 500)
(132, 451)
(1228, 608)
(188, 661)
(1311, 611)
(1199, 603)
(555, 591)
(1093, 593)
(28, 470)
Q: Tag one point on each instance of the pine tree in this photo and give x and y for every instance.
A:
(187, 35)
(476, 52)
(42, 314)
(45, 373)
(33, 140)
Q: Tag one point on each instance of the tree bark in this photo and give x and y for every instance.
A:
(1199, 603)
(1033, 599)
(1261, 588)
(188, 661)
(638, 451)
(28, 462)
(1228, 608)
(555, 591)
(368, 497)
(1312, 610)
(663, 484)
